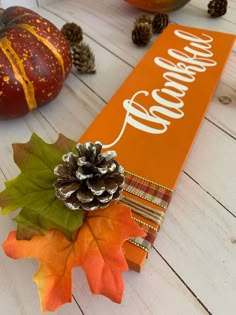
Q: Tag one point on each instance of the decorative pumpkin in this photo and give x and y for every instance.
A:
(158, 5)
(34, 61)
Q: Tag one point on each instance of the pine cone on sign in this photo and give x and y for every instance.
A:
(143, 18)
(73, 33)
(142, 34)
(89, 179)
(83, 58)
(159, 22)
(217, 8)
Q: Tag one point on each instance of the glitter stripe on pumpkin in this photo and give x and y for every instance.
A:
(50, 46)
(19, 72)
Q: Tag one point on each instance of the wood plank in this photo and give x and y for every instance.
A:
(198, 241)
(176, 290)
(116, 32)
(229, 16)
(196, 11)
(211, 295)
(80, 95)
(182, 207)
(212, 164)
(173, 284)
(80, 100)
(204, 150)
(46, 2)
(103, 79)
(98, 82)
(20, 130)
(112, 34)
(156, 290)
(226, 111)
(187, 200)
(31, 4)
(73, 117)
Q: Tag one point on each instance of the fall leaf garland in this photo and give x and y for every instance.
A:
(58, 237)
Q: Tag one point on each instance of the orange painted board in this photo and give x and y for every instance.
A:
(153, 118)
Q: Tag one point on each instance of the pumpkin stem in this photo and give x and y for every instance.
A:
(2, 26)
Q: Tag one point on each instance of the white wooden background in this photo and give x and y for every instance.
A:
(32, 4)
(192, 268)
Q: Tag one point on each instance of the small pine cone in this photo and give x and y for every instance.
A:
(159, 22)
(143, 18)
(73, 33)
(83, 58)
(217, 8)
(142, 34)
(89, 179)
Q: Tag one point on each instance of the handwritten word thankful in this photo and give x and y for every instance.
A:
(195, 58)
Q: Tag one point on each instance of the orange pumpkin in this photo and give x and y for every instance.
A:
(158, 5)
(34, 61)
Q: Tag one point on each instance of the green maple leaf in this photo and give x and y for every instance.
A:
(32, 190)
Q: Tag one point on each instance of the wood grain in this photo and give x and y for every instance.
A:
(31, 4)
(215, 118)
(191, 268)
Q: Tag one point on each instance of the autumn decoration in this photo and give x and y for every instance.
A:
(142, 33)
(146, 25)
(83, 58)
(158, 5)
(63, 237)
(217, 8)
(35, 59)
(73, 33)
(160, 22)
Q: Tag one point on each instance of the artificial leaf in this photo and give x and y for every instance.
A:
(57, 256)
(101, 237)
(33, 191)
(96, 247)
(26, 232)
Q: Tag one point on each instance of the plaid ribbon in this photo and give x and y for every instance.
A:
(147, 242)
(154, 193)
(152, 214)
(148, 190)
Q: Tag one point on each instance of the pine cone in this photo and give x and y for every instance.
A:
(83, 58)
(89, 179)
(143, 18)
(217, 8)
(142, 34)
(159, 22)
(73, 33)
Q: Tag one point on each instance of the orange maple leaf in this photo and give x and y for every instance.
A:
(96, 247)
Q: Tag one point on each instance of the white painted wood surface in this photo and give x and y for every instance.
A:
(31, 4)
(191, 270)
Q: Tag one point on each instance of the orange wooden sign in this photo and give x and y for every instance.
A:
(153, 118)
